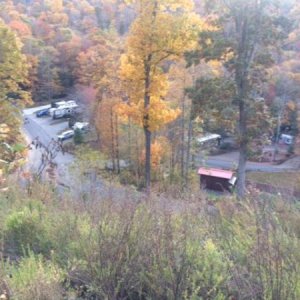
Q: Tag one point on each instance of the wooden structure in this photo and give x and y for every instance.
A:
(217, 179)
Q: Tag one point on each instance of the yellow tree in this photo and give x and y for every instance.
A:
(13, 94)
(55, 5)
(162, 32)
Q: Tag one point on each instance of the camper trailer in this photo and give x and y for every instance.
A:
(63, 112)
(63, 109)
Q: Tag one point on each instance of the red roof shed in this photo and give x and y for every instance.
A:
(216, 179)
(216, 173)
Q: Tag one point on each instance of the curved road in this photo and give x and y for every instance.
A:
(230, 161)
(45, 131)
(77, 184)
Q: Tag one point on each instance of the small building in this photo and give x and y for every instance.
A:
(217, 179)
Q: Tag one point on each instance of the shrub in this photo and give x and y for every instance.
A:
(78, 137)
(25, 229)
(34, 279)
(119, 246)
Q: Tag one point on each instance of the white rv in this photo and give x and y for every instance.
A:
(209, 140)
(62, 111)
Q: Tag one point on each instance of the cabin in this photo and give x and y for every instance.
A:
(217, 179)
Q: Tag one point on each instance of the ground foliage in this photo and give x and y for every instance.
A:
(104, 248)
(104, 45)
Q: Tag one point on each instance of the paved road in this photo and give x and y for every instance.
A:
(68, 176)
(45, 129)
(230, 161)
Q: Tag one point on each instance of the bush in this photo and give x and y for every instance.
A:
(78, 137)
(119, 246)
(35, 279)
(25, 229)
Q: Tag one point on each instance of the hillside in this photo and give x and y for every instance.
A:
(149, 149)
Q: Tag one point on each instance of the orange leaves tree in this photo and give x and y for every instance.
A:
(161, 33)
(97, 69)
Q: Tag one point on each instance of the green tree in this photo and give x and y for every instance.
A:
(243, 37)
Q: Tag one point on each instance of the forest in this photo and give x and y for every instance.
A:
(117, 212)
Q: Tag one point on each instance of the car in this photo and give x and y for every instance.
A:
(82, 126)
(286, 139)
(42, 113)
(66, 135)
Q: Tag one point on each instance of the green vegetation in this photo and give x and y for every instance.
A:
(119, 248)
(78, 137)
(35, 278)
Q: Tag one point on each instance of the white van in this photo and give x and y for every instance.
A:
(83, 126)
(286, 139)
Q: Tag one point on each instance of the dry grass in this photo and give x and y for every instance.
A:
(288, 180)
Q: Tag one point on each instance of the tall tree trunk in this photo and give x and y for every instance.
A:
(129, 142)
(138, 167)
(112, 139)
(188, 151)
(189, 136)
(245, 52)
(96, 116)
(146, 125)
(277, 136)
(148, 160)
(280, 114)
(241, 183)
(182, 138)
(117, 143)
(147, 98)
(172, 162)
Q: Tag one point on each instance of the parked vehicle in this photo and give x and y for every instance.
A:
(209, 140)
(42, 113)
(63, 111)
(82, 126)
(63, 103)
(66, 135)
(286, 139)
